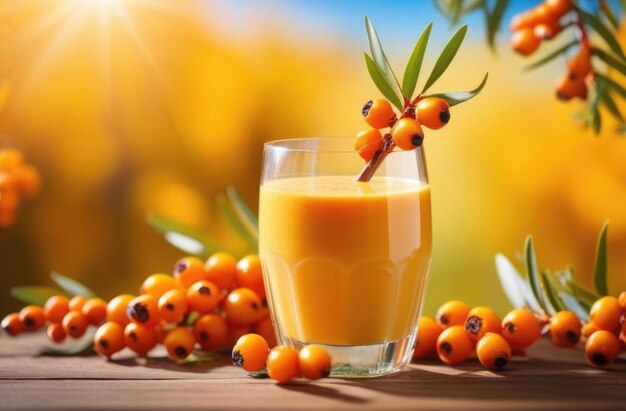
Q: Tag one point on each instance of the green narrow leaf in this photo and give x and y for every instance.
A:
(532, 272)
(246, 216)
(183, 237)
(574, 305)
(550, 290)
(71, 286)
(473, 6)
(600, 265)
(458, 97)
(456, 12)
(611, 61)
(580, 292)
(35, 295)
(70, 346)
(412, 71)
(380, 58)
(608, 82)
(446, 56)
(381, 82)
(603, 31)
(234, 223)
(494, 20)
(548, 58)
(513, 285)
(607, 10)
(594, 109)
(612, 107)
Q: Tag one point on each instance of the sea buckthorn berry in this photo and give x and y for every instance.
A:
(407, 134)
(525, 42)
(95, 311)
(76, 303)
(179, 343)
(570, 86)
(520, 328)
(55, 308)
(116, 309)
(601, 348)
(139, 338)
(547, 31)
(565, 329)
(606, 313)
(243, 307)
(221, 270)
(530, 18)
(493, 351)
(433, 112)
(10, 159)
(157, 284)
(481, 320)
(454, 312)
(33, 318)
(265, 329)
(189, 270)
(314, 362)
(454, 345)
(622, 335)
(426, 339)
(621, 300)
(589, 329)
(203, 297)
(368, 142)
(250, 274)
(211, 332)
(12, 324)
(143, 310)
(580, 64)
(56, 333)
(283, 364)
(250, 352)
(74, 324)
(109, 339)
(28, 181)
(235, 333)
(378, 113)
(173, 306)
(558, 8)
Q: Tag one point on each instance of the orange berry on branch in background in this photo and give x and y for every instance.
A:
(283, 364)
(74, 324)
(378, 113)
(33, 318)
(493, 351)
(621, 300)
(426, 339)
(179, 343)
(109, 339)
(203, 297)
(454, 312)
(9, 200)
(265, 329)
(95, 311)
(454, 345)
(601, 348)
(570, 86)
(622, 336)
(589, 329)
(139, 338)
(56, 333)
(407, 134)
(520, 328)
(547, 31)
(173, 306)
(221, 270)
(525, 42)
(55, 308)
(211, 332)
(314, 362)
(10, 159)
(580, 64)
(531, 18)
(76, 303)
(117, 307)
(157, 284)
(189, 270)
(12, 324)
(606, 313)
(565, 329)
(481, 320)
(28, 181)
(250, 274)
(558, 8)
(243, 307)
(143, 310)
(250, 352)
(368, 142)
(433, 112)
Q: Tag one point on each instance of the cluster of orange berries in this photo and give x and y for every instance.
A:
(544, 23)
(18, 180)
(226, 296)
(283, 363)
(406, 132)
(458, 330)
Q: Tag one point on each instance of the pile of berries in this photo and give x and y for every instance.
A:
(18, 180)
(458, 331)
(405, 132)
(544, 22)
(282, 363)
(202, 305)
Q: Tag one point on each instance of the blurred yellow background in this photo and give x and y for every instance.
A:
(130, 106)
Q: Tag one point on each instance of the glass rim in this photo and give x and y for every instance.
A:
(291, 145)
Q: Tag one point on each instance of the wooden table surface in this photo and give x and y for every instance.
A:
(548, 378)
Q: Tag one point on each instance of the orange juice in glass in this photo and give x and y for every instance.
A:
(345, 262)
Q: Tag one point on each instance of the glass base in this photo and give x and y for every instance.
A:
(365, 361)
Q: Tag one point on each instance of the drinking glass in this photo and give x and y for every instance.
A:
(345, 263)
